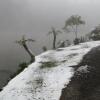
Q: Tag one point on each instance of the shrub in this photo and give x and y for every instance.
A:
(48, 64)
(22, 66)
(76, 41)
(44, 48)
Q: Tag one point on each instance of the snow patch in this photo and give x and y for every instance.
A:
(83, 69)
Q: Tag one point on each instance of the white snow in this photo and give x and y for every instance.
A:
(36, 83)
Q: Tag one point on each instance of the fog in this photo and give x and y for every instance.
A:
(34, 18)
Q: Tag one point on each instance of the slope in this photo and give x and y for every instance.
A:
(45, 79)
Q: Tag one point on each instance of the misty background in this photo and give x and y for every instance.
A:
(34, 18)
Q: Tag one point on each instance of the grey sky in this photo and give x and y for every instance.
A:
(35, 18)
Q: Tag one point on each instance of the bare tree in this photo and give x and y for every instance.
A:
(54, 32)
(23, 43)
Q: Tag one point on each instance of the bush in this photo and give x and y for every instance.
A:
(22, 66)
(95, 34)
(76, 41)
(48, 64)
(44, 48)
(82, 39)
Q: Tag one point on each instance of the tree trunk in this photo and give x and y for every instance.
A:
(30, 53)
(76, 32)
(54, 41)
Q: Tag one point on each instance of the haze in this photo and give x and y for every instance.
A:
(34, 18)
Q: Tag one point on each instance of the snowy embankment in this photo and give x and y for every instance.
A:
(38, 82)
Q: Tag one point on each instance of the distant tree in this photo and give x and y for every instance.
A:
(72, 24)
(23, 43)
(54, 32)
(95, 34)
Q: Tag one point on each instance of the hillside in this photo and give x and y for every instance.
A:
(48, 75)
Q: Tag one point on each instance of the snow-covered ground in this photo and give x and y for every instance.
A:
(38, 82)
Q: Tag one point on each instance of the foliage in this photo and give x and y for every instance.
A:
(72, 24)
(76, 41)
(22, 66)
(24, 40)
(95, 34)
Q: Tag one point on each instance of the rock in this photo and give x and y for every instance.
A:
(85, 84)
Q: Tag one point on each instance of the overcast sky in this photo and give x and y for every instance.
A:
(35, 18)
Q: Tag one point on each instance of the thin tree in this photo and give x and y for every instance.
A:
(23, 43)
(72, 24)
(54, 32)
